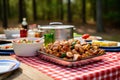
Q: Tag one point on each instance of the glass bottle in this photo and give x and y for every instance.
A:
(24, 24)
(24, 30)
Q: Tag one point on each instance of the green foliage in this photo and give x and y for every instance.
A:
(89, 14)
(13, 8)
(112, 18)
(76, 9)
(111, 11)
(29, 9)
(50, 9)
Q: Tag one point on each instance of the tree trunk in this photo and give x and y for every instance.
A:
(69, 17)
(8, 8)
(84, 11)
(20, 3)
(5, 15)
(94, 9)
(22, 10)
(57, 9)
(34, 10)
(61, 9)
(1, 9)
(99, 16)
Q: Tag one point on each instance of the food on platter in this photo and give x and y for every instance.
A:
(105, 43)
(72, 50)
(88, 37)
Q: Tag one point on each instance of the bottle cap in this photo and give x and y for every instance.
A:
(24, 18)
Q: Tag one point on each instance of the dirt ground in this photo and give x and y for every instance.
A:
(111, 33)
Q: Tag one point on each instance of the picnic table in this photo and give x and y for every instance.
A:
(33, 68)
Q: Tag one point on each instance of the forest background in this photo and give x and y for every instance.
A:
(81, 13)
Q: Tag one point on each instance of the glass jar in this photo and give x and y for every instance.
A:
(39, 33)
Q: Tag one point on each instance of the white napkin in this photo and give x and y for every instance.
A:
(6, 66)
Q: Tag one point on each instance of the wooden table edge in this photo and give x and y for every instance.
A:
(29, 71)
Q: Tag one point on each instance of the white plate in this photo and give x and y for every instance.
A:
(4, 51)
(2, 46)
(93, 38)
(8, 65)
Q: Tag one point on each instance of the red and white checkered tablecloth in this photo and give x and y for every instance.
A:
(108, 69)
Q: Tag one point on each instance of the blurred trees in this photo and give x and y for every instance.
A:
(69, 13)
(34, 10)
(20, 3)
(82, 11)
(111, 12)
(5, 14)
(99, 20)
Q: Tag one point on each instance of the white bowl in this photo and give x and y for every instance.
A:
(9, 33)
(26, 49)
